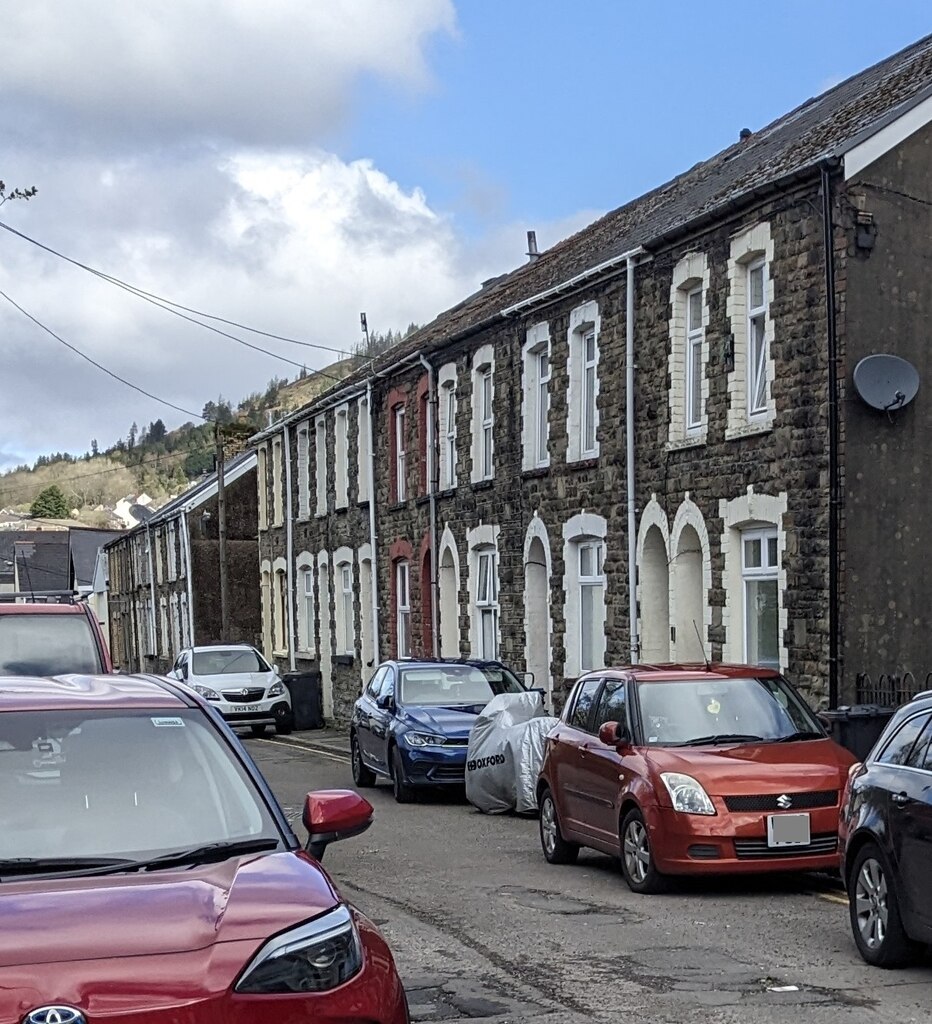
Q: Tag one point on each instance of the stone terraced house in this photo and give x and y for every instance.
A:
(644, 443)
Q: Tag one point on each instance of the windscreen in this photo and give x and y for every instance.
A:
(47, 645)
(678, 712)
(222, 662)
(440, 685)
(120, 784)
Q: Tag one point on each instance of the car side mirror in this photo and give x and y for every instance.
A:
(334, 814)
(385, 702)
(184, 671)
(614, 734)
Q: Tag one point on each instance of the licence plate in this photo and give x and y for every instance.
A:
(788, 830)
(243, 707)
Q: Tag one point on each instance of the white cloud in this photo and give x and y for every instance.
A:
(276, 71)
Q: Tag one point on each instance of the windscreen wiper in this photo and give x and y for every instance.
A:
(802, 734)
(203, 854)
(722, 737)
(15, 866)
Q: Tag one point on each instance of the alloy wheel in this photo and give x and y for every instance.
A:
(636, 851)
(548, 825)
(870, 897)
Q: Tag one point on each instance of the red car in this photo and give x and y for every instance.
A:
(148, 876)
(688, 770)
(48, 639)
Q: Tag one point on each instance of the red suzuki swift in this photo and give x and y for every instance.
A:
(691, 769)
(147, 874)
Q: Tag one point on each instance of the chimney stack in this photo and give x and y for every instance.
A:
(532, 252)
(745, 134)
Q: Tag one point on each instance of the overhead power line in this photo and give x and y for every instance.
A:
(173, 307)
(100, 366)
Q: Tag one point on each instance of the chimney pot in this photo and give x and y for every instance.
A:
(745, 134)
(532, 246)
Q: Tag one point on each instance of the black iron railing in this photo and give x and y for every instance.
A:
(890, 690)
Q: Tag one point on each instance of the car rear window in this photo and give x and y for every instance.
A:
(47, 645)
(217, 663)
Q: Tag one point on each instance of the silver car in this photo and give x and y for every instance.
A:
(240, 683)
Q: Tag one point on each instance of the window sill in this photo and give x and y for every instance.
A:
(306, 655)
(693, 441)
(422, 499)
(396, 506)
(279, 654)
(577, 464)
(342, 508)
(362, 503)
(535, 473)
(447, 492)
(483, 485)
(344, 659)
(320, 515)
(749, 430)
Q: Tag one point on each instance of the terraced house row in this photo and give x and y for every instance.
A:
(643, 443)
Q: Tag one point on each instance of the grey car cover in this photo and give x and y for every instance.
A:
(506, 749)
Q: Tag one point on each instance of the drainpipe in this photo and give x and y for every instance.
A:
(834, 498)
(372, 533)
(629, 460)
(151, 589)
(289, 546)
(186, 548)
(433, 485)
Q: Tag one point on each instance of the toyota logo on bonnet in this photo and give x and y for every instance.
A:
(55, 1015)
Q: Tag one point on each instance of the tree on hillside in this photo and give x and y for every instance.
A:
(94, 448)
(131, 440)
(50, 504)
(156, 433)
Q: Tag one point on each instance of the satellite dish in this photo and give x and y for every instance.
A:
(886, 382)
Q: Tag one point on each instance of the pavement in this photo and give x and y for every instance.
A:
(484, 930)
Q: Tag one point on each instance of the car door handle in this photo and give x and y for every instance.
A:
(900, 799)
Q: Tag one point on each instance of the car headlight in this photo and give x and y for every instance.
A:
(687, 795)
(205, 691)
(314, 957)
(276, 690)
(424, 739)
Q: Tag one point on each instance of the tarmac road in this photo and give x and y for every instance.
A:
(483, 929)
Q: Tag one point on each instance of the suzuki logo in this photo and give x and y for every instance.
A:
(55, 1015)
(784, 802)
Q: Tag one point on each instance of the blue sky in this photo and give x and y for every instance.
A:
(539, 109)
(288, 164)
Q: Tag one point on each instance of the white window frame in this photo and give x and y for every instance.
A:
(582, 415)
(280, 608)
(320, 463)
(362, 450)
(483, 415)
(593, 581)
(589, 420)
(400, 454)
(750, 249)
(535, 398)
(262, 476)
(341, 449)
(487, 607)
(277, 504)
(304, 469)
(307, 604)
(766, 571)
(542, 418)
(403, 608)
(347, 596)
(695, 337)
(757, 360)
(172, 541)
(583, 529)
(449, 435)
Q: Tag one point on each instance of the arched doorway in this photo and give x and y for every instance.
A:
(537, 614)
(655, 598)
(687, 575)
(449, 599)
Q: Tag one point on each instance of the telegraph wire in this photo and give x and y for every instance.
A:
(100, 366)
(172, 307)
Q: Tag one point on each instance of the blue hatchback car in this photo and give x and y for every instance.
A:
(412, 723)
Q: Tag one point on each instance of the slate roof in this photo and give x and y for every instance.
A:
(794, 145)
(43, 561)
(84, 547)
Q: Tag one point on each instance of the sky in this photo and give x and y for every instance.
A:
(288, 164)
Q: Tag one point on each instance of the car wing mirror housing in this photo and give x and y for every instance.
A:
(385, 702)
(615, 734)
(334, 814)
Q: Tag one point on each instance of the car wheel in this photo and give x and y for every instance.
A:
(404, 794)
(556, 849)
(875, 911)
(258, 730)
(637, 861)
(362, 776)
